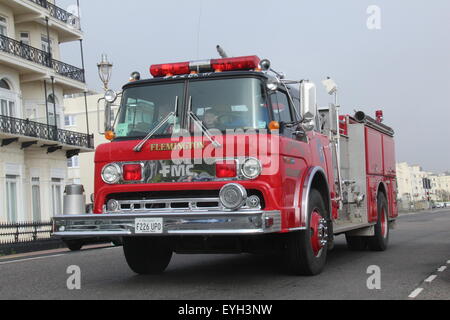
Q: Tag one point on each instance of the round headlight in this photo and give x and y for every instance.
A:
(110, 96)
(233, 196)
(251, 169)
(111, 173)
(113, 205)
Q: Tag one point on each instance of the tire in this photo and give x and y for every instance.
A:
(146, 255)
(74, 245)
(356, 243)
(380, 241)
(117, 242)
(302, 258)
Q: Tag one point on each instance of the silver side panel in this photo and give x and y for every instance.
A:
(353, 167)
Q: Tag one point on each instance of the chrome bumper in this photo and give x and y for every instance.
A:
(192, 223)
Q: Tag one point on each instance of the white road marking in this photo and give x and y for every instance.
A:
(415, 293)
(442, 269)
(430, 278)
(31, 259)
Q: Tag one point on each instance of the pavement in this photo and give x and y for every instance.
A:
(419, 251)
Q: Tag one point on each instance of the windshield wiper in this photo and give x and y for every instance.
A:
(139, 147)
(202, 127)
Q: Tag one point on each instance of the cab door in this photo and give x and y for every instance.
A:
(294, 156)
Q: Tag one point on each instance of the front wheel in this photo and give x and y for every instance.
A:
(74, 245)
(306, 250)
(146, 255)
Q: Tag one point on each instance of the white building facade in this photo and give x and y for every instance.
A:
(411, 191)
(34, 147)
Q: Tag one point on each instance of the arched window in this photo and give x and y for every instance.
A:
(4, 84)
(7, 99)
(51, 98)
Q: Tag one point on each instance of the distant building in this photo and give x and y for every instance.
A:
(411, 191)
(34, 147)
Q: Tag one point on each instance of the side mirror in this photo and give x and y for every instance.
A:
(308, 106)
(108, 120)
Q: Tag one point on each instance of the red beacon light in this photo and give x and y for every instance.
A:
(379, 115)
(216, 65)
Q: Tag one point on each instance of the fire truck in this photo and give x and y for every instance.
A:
(228, 156)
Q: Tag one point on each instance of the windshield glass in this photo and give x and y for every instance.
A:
(230, 104)
(237, 103)
(143, 108)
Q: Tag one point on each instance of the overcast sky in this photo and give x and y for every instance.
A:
(403, 68)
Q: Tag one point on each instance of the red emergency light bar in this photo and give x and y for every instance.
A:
(217, 65)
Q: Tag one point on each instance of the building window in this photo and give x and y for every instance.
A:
(45, 43)
(3, 26)
(25, 38)
(36, 199)
(73, 162)
(11, 198)
(69, 121)
(57, 196)
(7, 101)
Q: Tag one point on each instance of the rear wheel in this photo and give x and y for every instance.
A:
(146, 255)
(307, 250)
(74, 245)
(380, 241)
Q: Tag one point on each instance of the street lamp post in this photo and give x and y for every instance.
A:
(104, 72)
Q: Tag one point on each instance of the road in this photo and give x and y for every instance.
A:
(419, 247)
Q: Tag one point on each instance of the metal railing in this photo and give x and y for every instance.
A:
(43, 131)
(59, 13)
(24, 51)
(26, 232)
(68, 71)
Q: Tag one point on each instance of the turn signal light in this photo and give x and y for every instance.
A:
(132, 172)
(274, 125)
(226, 170)
(110, 135)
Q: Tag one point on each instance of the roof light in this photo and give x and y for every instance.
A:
(232, 64)
(217, 65)
(170, 69)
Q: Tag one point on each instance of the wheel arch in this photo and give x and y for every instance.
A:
(382, 189)
(315, 179)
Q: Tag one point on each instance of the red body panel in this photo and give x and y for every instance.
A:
(381, 172)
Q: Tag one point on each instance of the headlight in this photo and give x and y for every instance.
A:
(251, 169)
(111, 173)
(110, 96)
(233, 196)
(113, 205)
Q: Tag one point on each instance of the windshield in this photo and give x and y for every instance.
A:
(237, 103)
(230, 104)
(143, 108)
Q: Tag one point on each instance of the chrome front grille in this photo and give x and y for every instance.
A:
(171, 205)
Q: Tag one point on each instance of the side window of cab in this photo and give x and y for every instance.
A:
(282, 111)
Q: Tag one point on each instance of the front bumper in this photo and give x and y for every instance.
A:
(174, 224)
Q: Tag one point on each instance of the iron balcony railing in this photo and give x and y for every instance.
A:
(60, 14)
(26, 232)
(43, 131)
(24, 51)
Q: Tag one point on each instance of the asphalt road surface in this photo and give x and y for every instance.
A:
(416, 266)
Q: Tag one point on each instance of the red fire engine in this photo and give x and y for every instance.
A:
(226, 155)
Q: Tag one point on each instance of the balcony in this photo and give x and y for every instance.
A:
(60, 14)
(47, 134)
(40, 57)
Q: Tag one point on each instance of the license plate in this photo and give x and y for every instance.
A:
(149, 226)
